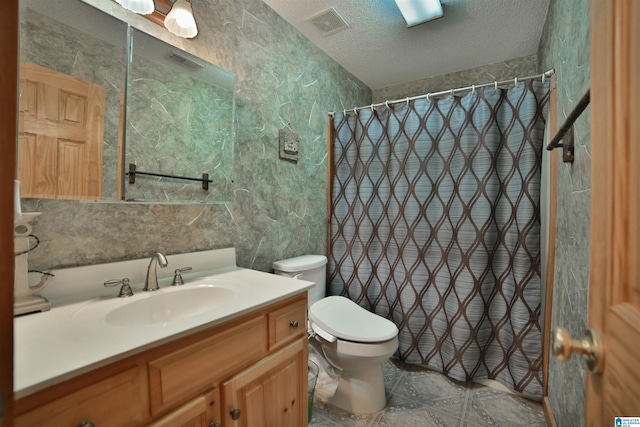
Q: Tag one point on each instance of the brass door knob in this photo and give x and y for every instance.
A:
(590, 347)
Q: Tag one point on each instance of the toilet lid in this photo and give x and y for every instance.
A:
(348, 321)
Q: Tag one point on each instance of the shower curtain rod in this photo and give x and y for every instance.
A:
(472, 88)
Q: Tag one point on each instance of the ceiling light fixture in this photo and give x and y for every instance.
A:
(418, 11)
(180, 20)
(143, 7)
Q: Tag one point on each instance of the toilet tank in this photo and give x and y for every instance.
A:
(306, 267)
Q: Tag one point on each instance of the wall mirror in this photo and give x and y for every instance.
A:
(87, 113)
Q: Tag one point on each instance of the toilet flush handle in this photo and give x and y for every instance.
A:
(297, 276)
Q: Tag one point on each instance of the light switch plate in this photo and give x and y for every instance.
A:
(289, 145)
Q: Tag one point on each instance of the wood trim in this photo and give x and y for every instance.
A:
(331, 169)
(157, 17)
(602, 133)
(634, 139)
(552, 188)
(548, 412)
(8, 131)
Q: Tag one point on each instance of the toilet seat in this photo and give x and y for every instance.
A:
(341, 318)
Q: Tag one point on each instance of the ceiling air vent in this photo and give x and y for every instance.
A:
(329, 21)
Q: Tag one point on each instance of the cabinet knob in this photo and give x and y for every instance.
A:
(214, 424)
(294, 324)
(235, 413)
(85, 424)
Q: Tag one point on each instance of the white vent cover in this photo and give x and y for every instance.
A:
(329, 21)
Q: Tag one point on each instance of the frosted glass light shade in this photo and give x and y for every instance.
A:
(143, 7)
(180, 20)
(418, 11)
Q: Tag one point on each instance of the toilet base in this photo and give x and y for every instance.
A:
(361, 391)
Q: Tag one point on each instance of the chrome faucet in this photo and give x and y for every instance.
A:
(151, 282)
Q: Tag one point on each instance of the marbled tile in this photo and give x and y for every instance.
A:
(392, 372)
(326, 414)
(489, 407)
(439, 402)
(564, 46)
(278, 209)
(432, 388)
(505, 70)
(415, 415)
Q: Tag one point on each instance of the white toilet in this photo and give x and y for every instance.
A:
(352, 338)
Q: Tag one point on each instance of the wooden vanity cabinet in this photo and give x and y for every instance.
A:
(272, 392)
(203, 411)
(117, 400)
(256, 364)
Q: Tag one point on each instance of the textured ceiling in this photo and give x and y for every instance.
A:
(380, 50)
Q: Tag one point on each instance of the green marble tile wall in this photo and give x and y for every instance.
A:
(517, 67)
(180, 121)
(278, 208)
(565, 46)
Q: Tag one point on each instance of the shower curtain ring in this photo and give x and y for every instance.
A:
(515, 82)
(496, 84)
(407, 100)
(428, 96)
(386, 103)
(344, 112)
(451, 93)
(371, 106)
(473, 89)
(544, 77)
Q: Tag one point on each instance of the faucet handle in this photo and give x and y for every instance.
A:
(177, 278)
(125, 290)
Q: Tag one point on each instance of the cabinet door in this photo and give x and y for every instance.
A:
(203, 411)
(272, 392)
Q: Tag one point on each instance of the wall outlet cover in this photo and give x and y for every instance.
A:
(289, 145)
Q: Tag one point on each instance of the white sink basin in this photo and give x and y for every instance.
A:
(166, 305)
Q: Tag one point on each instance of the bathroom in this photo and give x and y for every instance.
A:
(276, 211)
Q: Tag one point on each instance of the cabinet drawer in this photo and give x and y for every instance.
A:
(287, 323)
(195, 368)
(114, 402)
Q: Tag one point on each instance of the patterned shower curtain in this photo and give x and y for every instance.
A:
(435, 225)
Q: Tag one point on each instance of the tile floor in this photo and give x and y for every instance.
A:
(420, 397)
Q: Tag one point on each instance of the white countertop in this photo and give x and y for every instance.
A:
(56, 345)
